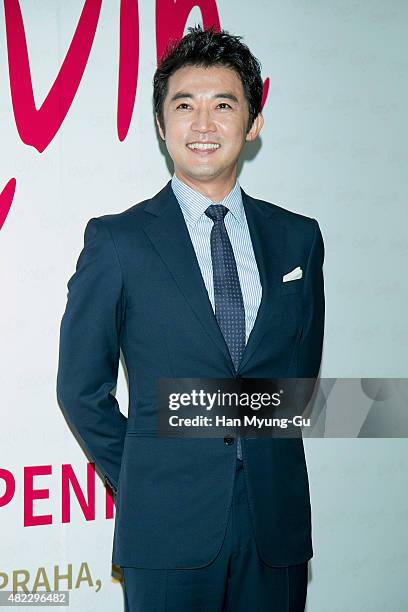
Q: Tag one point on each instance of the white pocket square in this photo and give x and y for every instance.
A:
(293, 275)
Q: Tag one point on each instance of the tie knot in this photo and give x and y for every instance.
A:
(216, 212)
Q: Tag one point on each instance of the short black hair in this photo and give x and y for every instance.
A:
(205, 48)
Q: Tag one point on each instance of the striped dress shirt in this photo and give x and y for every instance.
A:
(193, 204)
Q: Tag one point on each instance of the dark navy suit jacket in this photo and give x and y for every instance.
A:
(138, 287)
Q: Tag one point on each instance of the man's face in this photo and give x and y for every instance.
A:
(206, 106)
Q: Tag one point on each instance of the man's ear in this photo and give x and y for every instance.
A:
(160, 128)
(255, 128)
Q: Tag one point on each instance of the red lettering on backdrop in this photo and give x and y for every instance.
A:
(171, 17)
(68, 477)
(265, 92)
(37, 128)
(109, 503)
(6, 200)
(31, 494)
(10, 487)
(128, 64)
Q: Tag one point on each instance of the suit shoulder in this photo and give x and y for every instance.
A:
(290, 219)
(121, 219)
(133, 218)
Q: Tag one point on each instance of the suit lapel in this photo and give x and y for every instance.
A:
(170, 237)
(269, 244)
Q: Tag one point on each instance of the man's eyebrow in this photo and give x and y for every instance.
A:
(183, 94)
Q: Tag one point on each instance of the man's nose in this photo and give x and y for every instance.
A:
(203, 121)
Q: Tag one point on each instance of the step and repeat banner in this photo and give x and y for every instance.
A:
(78, 139)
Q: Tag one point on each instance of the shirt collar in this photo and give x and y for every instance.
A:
(193, 203)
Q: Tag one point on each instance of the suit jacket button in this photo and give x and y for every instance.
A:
(229, 441)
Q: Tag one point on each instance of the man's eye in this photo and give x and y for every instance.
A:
(224, 104)
(183, 104)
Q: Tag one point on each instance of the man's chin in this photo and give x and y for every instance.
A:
(201, 172)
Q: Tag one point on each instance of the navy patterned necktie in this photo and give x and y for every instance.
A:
(229, 304)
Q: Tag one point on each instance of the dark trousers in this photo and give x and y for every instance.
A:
(236, 581)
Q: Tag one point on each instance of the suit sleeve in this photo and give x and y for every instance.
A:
(311, 341)
(89, 351)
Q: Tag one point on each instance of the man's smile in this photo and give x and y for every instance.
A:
(203, 148)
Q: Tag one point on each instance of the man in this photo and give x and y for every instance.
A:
(190, 285)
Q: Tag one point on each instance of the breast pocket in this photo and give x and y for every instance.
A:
(293, 286)
(290, 321)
